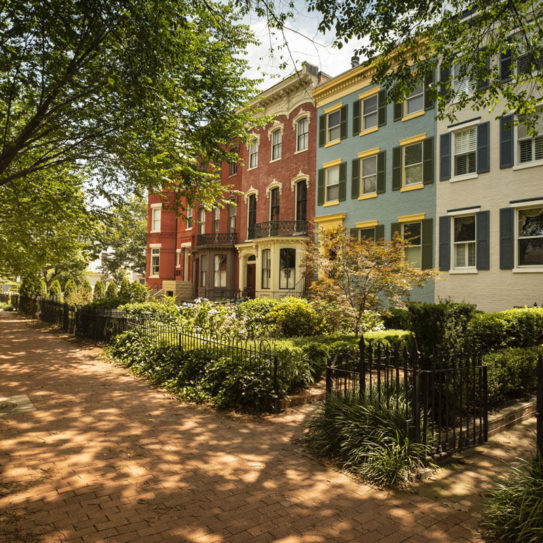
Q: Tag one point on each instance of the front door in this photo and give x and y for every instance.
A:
(251, 275)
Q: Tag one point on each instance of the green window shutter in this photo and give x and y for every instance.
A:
(342, 181)
(320, 187)
(445, 243)
(356, 118)
(322, 130)
(507, 238)
(396, 168)
(427, 244)
(343, 126)
(354, 233)
(395, 228)
(428, 161)
(380, 232)
(381, 172)
(428, 82)
(382, 112)
(355, 179)
(398, 111)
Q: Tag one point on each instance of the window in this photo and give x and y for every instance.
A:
(465, 151)
(530, 62)
(415, 101)
(461, 85)
(332, 184)
(232, 212)
(251, 216)
(233, 168)
(411, 233)
(302, 134)
(266, 268)
(155, 262)
(369, 112)
(277, 138)
(333, 131)
(366, 234)
(530, 237)
(413, 164)
(530, 148)
(203, 271)
(287, 268)
(464, 242)
(189, 218)
(220, 271)
(202, 221)
(369, 175)
(216, 220)
(274, 204)
(301, 201)
(156, 213)
(253, 154)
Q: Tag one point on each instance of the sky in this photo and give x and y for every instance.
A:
(305, 43)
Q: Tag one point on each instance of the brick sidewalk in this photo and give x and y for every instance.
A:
(104, 457)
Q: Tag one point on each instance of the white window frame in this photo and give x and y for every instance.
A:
(156, 209)
(365, 115)
(278, 145)
(459, 85)
(202, 223)
(266, 269)
(189, 219)
(338, 126)
(518, 266)
(403, 225)
(414, 95)
(253, 152)
(404, 171)
(216, 220)
(467, 175)
(303, 119)
(468, 268)
(178, 258)
(326, 185)
(154, 269)
(533, 162)
(291, 280)
(361, 191)
(222, 274)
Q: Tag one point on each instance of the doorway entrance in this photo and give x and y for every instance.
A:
(251, 280)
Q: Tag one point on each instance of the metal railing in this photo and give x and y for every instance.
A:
(280, 228)
(444, 402)
(216, 238)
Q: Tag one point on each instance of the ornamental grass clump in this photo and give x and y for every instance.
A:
(368, 438)
(514, 507)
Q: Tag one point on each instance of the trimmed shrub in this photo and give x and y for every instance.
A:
(70, 292)
(511, 373)
(317, 355)
(31, 286)
(164, 312)
(514, 507)
(389, 338)
(253, 314)
(55, 291)
(294, 317)
(396, 318)
(99, 291)
(43, 289)
(85, 292)
(124, 291)
(138, 293)
(111, 290)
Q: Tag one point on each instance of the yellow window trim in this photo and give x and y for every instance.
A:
(412, 218)
(413, 115)
(367, 224)
(369, 93)
(330, 218)
(412, 187)
(332, 203)
(369, 152)
(334, 142)
(413, 139)
(332, 163)
(331, 109)
(367, 196)
(369, 131)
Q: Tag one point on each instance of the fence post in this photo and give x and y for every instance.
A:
(415, 400)
(362, 366)
(539, 406)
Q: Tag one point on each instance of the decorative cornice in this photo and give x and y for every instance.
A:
(300, 176)
(251, 190)
(274, 184)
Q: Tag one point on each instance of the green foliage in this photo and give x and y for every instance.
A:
(4, 306)
(70, 292)
(99, 290)
(124, 291)
(55, 291)
(366, 437)
(30, 286)
(514, 507)
(389, 338)
(397, 318)
(317, 356)
(253, 314)
(294, 317)
(138, 293)
(511, 373)
(163, 312)
(512, 328)
(85, 292)
(111, 290)
(43, 289)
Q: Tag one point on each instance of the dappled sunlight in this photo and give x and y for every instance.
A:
(105, 455)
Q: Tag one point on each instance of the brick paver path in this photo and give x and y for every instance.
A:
(106, 457)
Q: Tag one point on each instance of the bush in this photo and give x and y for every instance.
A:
(514, 507)
(99, 291)
(55, 291)
(512, 328)
(43, 289)
(253, 314)
(317, 355)
(124, 291)
(389, 338)
(294, 317)
(70, 292)
(396, 318)
(138, 293)
(30, 286)
(111, 290)
(85, 292)
(367, 438)
(511, 373)
(164, 312)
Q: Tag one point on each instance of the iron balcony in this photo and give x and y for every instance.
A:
(280, 228)
(216, 238)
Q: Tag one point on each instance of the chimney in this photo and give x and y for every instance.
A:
(355, 61)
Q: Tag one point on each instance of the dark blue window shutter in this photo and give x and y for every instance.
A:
(482, 220)
(343, 124)
(322, 130)
(354, 233)
(395, 230)
(380, 232)
(396, 168)
(342, 181)
(444, 157)
(428, 161)
(507, 238)
(382, 112)
(507, 144)
(381, 172)
(483, 83)
(398, 111)
(506, 60)
(320, 186)
(483, 147)
(444, 243)
(355, 179)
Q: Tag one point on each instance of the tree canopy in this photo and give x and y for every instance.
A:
(143, 93)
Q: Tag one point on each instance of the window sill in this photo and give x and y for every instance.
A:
(368, 196)
(332, 203)
(369, 131)
(412, 187)
(535, 269)
(154, 277)
(301, 151)
(331, 143)
(154, 231)
(413, 115)
(465, 177)
(525, 165)
(253, 168)
(275, 159)
(464, 271)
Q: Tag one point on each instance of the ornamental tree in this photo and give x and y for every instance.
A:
(356, 276)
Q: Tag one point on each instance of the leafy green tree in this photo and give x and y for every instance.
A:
(138, 293)
(70, 292)
(99, 290)
(30, 286)
(124, 291)
(43, 288)
(472, 37)
(85, 292)
(55, 291)
(111, 291)
(140, 93)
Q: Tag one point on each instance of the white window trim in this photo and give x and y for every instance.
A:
(518, 207)
(454, 131)
(523, 165)
(178, 258)
(302, 115)
(155, 245)
(295, 180)
(405, 184)
(275, 128)
(154, 207)
(274, 185)
(326, 172)
(405, 113)
(191, 220)
(466, 269)
(361, 176)
(255, 138)
(251, 191)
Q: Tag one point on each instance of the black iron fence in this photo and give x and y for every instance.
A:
(539, 405)
(280, 228)
(216, 238)
(444, 402)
